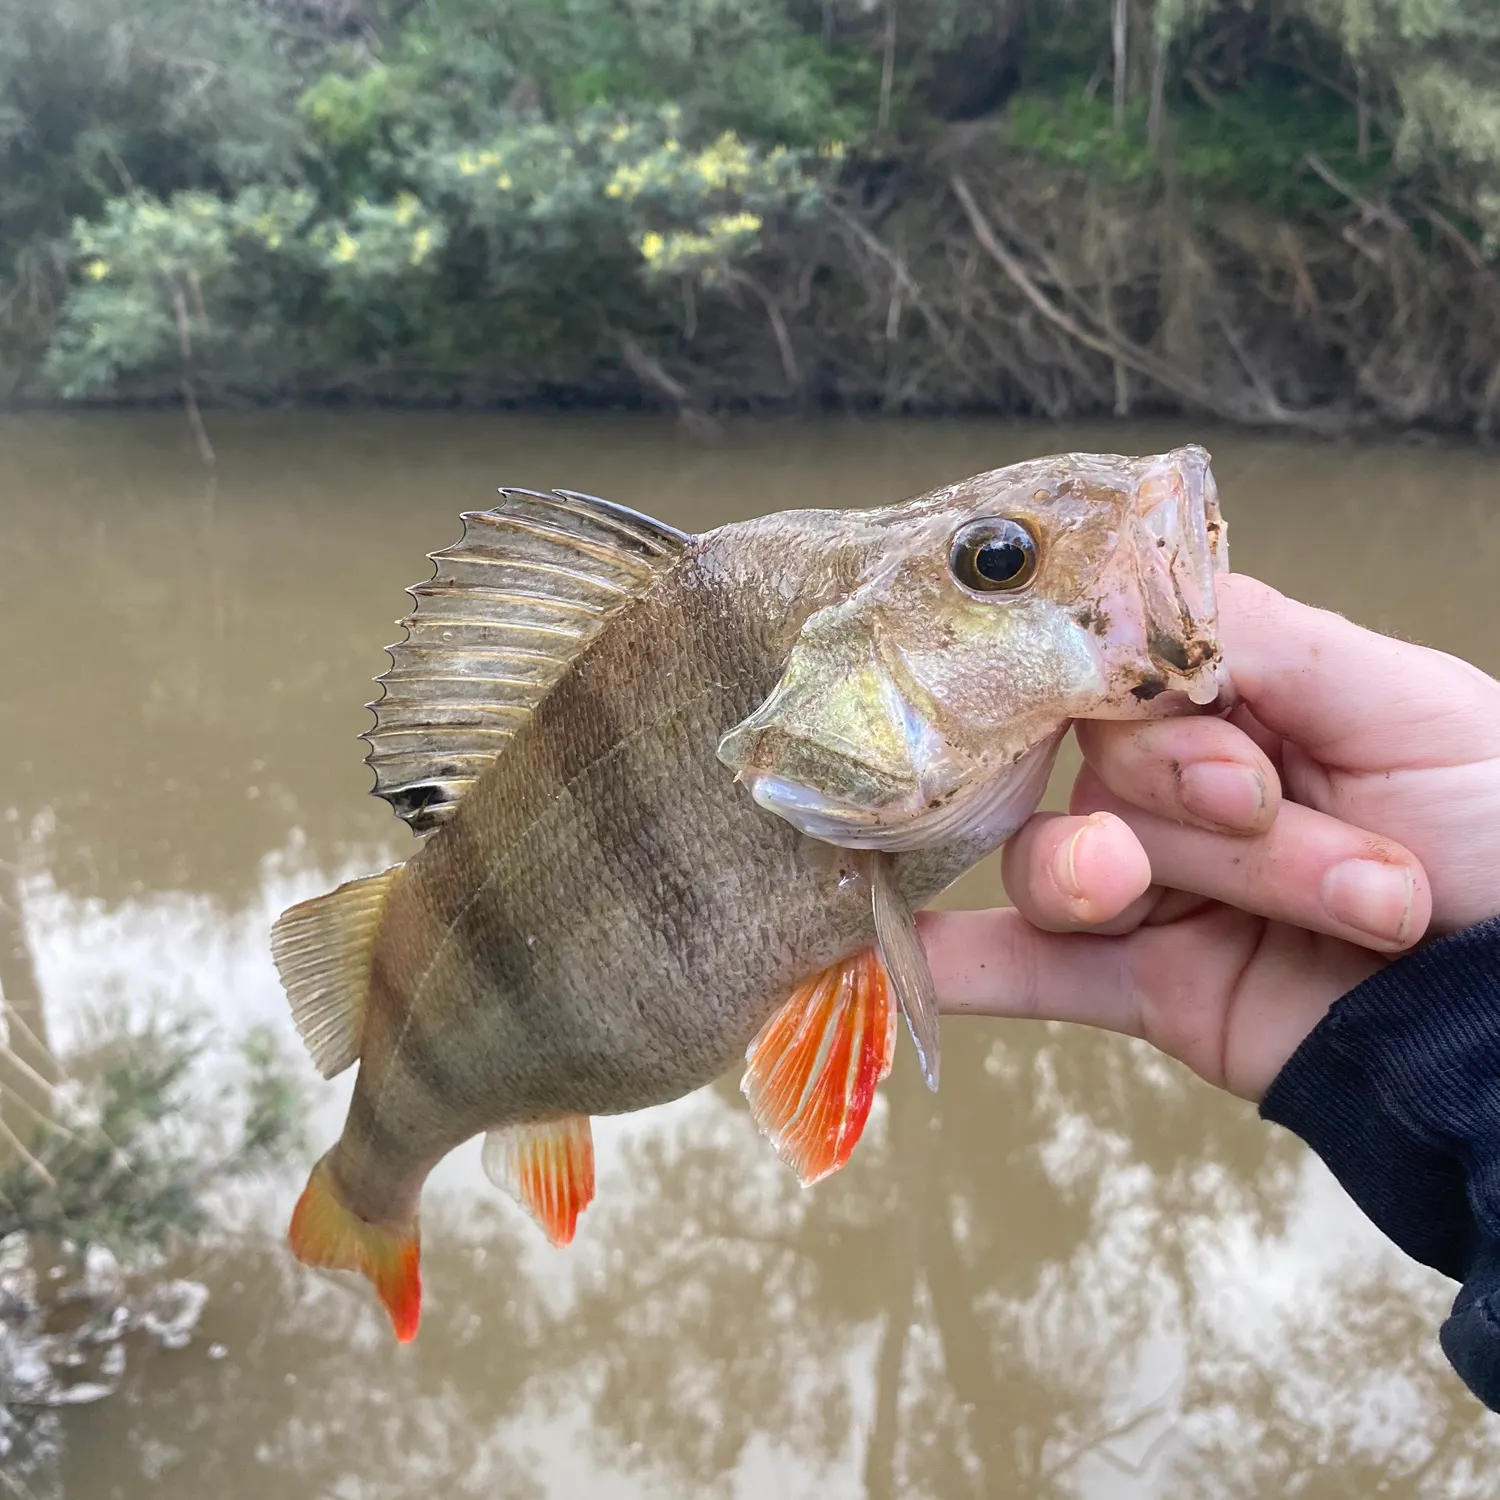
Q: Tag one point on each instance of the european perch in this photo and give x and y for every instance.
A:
(679, 797)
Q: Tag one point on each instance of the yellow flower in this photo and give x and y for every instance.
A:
(97, 270)
(727, 225)
(723, 163)
(652, 246)
(503, 182)
(628, 181)
(421, 243)
(345, 248)
(466, 163)
(407, 205)
(619, 133)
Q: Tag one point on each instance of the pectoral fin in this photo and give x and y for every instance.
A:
(812, 1071)
(547, 1167)
(905, 960)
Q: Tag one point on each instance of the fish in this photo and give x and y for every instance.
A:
(679, 798)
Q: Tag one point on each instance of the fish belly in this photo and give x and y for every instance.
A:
(599, 973)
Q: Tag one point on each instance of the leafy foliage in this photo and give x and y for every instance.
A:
(602, 207)
(1256, 140)
(1440, 60)
(104, 97)
(497, 195)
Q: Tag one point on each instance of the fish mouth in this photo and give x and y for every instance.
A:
(1160, 640)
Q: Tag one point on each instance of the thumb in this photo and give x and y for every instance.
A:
(1350, 697)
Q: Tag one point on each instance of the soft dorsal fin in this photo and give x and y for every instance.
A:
(508, 607)
(322, 950)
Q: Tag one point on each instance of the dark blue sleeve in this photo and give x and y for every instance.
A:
(1398, 1090)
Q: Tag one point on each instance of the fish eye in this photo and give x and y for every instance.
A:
(995, 556)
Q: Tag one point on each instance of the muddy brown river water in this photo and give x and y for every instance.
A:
(1075, 1273)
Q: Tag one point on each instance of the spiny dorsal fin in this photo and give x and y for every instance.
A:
(322, 950)
(507, 609)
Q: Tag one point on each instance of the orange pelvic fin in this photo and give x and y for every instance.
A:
(812, 1071)
(326, 1232)
(547, 1166)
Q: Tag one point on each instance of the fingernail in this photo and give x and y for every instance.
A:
(1374, 897)
(1065, 861)
(1223, 792)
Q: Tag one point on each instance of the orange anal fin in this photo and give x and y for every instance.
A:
(547, 1166)
(812, 1071)
(326, 1232)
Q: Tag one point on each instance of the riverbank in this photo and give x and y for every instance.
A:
(1278, 216)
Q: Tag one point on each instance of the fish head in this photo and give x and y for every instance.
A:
(977, 624)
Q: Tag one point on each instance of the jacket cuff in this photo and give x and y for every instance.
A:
(1471, 1336)
(1398, 1090)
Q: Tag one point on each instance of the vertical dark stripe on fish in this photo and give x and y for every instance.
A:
(493, 955)
(595, 832)
(627, 814)
(373, 1106)
(424, 1060)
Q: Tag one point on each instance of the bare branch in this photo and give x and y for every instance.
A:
(1372, 211)
(778, 325)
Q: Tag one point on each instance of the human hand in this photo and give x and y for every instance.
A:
(1218, 884)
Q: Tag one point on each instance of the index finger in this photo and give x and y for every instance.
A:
(1351, 697)
(1223, 992)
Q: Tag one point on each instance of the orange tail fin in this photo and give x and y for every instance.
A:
(326, 1232)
